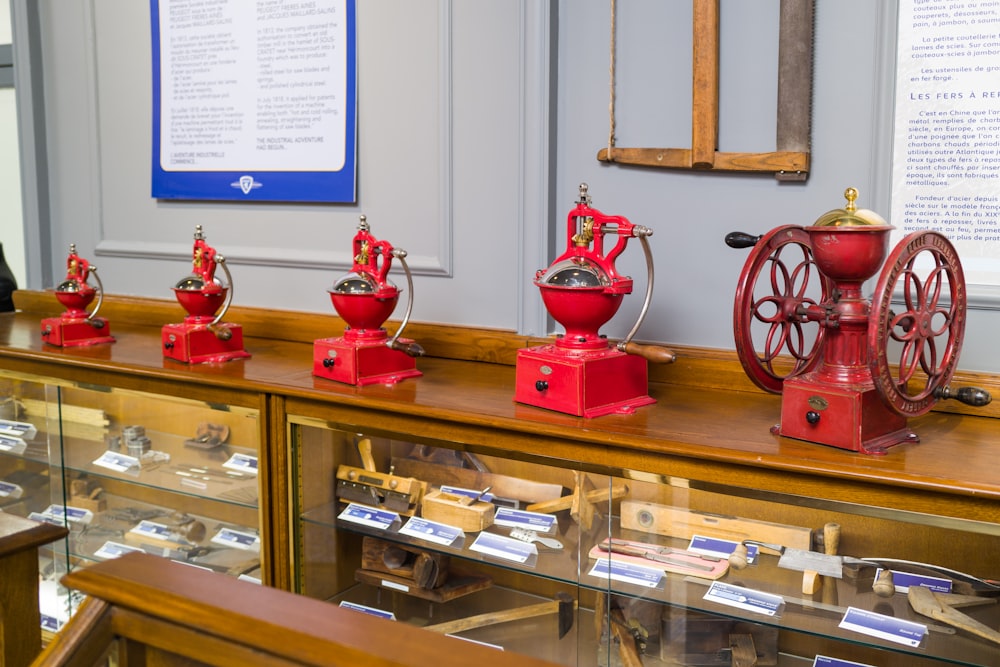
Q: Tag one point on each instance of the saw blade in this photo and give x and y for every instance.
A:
(801, 560)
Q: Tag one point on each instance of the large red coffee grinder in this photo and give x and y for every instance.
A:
(203, 337)
(582, 373)
(804, 329)
(365, 298)
(76, 327)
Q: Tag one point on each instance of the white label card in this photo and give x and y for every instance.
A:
(504, 547)
(372, 517)
(242, 462)
(432, 531)
(371, 611)
(744, 598)
(237, 539)
(628, 573)
(116, 461)
(884, 627)
(540, 523)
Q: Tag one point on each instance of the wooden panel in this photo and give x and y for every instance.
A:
(170, 608)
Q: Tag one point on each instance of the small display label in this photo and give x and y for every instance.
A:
(116, 461)
(540, 523)
(114, 550)
(627, 573)
(51, 623)
(74, 514)
(504, 547)
(147, 528)
(46, 518)
(903, 580)
(10, 490)
(468, 493)
(237, 539)
(712, 546)
(431, 531)
(885, 627)
(12, 445)
(744, 598)
(824, 661)
(371, 611)
(242, 463)
(22, 430)
(369, 516)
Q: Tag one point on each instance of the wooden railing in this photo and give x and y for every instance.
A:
(152, 611)
(20, 621)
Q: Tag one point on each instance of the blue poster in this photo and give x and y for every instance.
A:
(254, 101)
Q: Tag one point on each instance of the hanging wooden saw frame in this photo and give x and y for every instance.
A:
(790, 159)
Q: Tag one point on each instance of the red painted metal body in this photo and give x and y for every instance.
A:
(75, 327)
(202, 343)
(202, 337)
(581, 373)
(365, 298)
(838, 387)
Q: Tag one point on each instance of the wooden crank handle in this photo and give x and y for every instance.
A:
(973, 396)
(656, 354)
(742, 240)
(222, 333)
(412, 348)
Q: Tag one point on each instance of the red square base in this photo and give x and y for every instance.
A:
(197, 344)
(853, 418)
(74, 332)
(362, 362)
(585, 384)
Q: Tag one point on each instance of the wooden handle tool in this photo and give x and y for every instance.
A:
(811, 581)
(564, 605)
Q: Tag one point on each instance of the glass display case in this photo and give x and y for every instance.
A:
(587, 565)
(128, 470)
(28, 487)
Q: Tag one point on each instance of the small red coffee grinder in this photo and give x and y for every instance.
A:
(805, 330)
(75, 326)
(582, 373)
(202, 337)
(365, 298)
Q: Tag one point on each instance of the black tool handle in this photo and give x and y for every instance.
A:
(742, 240)
(973, 396)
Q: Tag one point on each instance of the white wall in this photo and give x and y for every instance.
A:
(456, 150)
(11, 223)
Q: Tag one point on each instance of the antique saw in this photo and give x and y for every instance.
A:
(790, 159)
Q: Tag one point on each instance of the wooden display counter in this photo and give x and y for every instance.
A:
(709, 429)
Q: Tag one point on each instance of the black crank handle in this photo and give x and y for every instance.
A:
(742, 239)
(973, 396)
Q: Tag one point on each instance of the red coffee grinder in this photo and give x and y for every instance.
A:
(804, 330)
(582, 373)
(75, 326)
(202, 337)
(365, 298)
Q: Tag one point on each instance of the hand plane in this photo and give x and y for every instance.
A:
(367, 486)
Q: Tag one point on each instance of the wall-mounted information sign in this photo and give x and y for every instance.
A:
(946, 153)
(254, 101)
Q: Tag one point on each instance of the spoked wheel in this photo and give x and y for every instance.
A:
(779, 281)
(923, 333)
